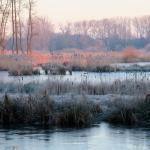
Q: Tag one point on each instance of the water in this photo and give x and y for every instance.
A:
(130, 64)
(78, 77)
(102, 137)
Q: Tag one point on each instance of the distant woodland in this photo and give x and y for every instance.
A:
(22, 30)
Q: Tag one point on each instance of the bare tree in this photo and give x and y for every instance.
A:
(43, 30)
(20, 23)
(16, 26)
(138, 27)
(4, 15)
(66, 29)
(13, 27)
(30, 33)
(15, 13)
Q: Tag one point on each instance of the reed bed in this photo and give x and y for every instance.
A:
(135, 113)
(58, 87)
(43, 111)
(33, 103)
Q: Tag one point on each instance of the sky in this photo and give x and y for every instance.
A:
(60, 11)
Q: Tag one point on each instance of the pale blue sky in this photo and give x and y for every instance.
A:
(73, 10)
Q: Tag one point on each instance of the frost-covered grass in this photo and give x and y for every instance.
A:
(50, 103)
(43, 111)
(58, 87)
(73, 110)
(133, 113)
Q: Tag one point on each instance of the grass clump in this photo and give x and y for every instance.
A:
(79, 113)
(44, 111)
(135, 113)
(25, 111)
(21, 70)
(124, 116)
(142, 113)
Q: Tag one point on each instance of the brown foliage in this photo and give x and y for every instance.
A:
(130, 54)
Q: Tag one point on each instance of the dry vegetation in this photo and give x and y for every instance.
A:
(59, 87)
(45, 108)
(36, 107)
(93, 59)
(13, 62)
(33, 103)
(75, 59)
(43, 111)
(133, 113)
(17, 65)
(22, 64)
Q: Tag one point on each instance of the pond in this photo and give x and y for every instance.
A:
(100, 137)
(78, 77)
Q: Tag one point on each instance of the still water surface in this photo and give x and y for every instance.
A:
(101, 137)
(78, 77)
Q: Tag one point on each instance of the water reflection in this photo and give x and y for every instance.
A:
(103, 137)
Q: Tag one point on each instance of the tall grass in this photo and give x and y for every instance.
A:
(58, 87)
(13, 62)
(135, 113)
(43, 111)
(25, 110)
(31, 104)
(78, 113)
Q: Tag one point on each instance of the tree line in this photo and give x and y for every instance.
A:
(20, 34)
(112, 34)
(12, 13)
